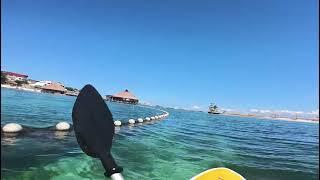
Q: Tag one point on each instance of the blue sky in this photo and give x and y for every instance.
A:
(240, 54)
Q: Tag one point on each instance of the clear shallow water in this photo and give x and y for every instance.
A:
(179, 147)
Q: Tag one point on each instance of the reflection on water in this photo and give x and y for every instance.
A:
(61, 134)
(9, 140)
(130, 126)
(117, 129)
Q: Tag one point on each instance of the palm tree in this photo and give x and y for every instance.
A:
(21, 82)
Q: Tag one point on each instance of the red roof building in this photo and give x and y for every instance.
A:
(15, 74)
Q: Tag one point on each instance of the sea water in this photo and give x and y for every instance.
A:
(178, 147)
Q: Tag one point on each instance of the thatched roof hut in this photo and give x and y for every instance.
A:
(124, 96)
(54, 88)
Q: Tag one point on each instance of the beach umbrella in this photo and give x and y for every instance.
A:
(94, 129)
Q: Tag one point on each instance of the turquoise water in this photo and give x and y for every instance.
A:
(179, 147)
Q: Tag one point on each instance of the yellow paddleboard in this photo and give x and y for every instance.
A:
(218, 174)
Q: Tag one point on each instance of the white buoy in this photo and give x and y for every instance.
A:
(147, 119)
(62, 126)
(140, 120)
(117, 123)
(12, 128)
(152, 118)
(131, 121)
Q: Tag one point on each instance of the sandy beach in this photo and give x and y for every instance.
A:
(280, 118)
(20, 88)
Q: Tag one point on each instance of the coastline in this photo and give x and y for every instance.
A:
(20, 88)
(271, 118)
(226, 114)
(30, 89)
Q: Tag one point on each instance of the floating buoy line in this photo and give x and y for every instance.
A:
(15, 128)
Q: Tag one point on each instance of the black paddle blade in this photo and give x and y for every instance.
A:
(94, 127)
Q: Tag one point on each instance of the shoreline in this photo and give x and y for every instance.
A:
(20, 88)
(236, 115)
(271, 118)
(30, 90)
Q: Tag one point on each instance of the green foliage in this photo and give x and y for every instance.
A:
(21, 82)
(71, 89)
(3, 78)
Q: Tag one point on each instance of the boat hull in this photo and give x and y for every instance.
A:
(214, 113)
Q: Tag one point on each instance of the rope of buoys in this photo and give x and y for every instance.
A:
(146, 119)
(65, 126)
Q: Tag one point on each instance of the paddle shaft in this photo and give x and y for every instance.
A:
(112, 170)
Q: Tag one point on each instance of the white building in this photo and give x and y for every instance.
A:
(41, 83)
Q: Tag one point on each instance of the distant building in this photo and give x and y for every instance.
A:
(41, 83)
(12, 76)
(31, 81)
(72, 93)
(124, 97)
(108, 97)
(54, 88)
